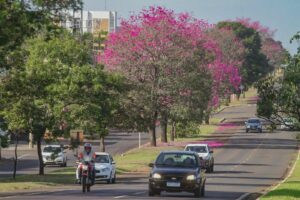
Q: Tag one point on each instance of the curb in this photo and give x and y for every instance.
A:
(288, 173)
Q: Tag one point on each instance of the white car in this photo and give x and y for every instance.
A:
(54, 155)
(205, 154)
(105, 167)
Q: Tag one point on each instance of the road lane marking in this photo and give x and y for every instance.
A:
(119, 197)
(290, 172)
(23, 156)
(138, 193)
(243, 196)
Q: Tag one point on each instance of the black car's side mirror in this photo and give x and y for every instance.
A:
(151, 164)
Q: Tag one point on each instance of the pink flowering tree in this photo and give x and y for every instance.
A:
(168, 61)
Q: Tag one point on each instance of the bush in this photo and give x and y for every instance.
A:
(4, 141)
(189, 129)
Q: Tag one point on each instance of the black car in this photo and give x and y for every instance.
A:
(177, 171)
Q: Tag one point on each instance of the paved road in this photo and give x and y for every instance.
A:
(116, 143)
(246, 163)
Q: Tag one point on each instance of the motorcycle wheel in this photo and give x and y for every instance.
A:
(88, 188)
(83, 182)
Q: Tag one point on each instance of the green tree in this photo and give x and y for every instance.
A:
(280, 97)
(21, 19)
(91, 98)
(255, 64)
(29, 92)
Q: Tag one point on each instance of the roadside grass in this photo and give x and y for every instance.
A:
(32, 181)
(205, 130)
(137, 160)
(289, 190)
(251, 93)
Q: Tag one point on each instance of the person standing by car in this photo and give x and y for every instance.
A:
(87, 155)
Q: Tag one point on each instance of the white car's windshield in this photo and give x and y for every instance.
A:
(198, 149)
(101, 159)
(52, 149)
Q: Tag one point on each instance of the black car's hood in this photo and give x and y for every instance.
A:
(174, 170)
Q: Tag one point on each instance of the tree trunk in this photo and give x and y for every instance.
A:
(164, 129)
(16, 155)
(102, 144)
(40, 156)
(207, 118)
(30, 143)
(153, 129)
(173, 131)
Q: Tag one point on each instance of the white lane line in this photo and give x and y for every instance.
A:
(23, 156)
(243, 196)
(290, 172)
(119, 197)
(138, 193)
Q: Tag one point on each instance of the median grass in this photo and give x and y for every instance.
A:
(137, 160)
(31, 182)
(289, 190)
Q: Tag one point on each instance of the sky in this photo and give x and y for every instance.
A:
(280, 15)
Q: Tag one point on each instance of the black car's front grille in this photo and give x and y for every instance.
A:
(172, 177)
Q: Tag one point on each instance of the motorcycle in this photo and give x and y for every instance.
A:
(86, 176)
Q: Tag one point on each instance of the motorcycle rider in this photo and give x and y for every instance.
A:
(86, 155)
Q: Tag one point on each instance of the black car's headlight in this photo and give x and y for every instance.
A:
(156, 176)
(191, 177)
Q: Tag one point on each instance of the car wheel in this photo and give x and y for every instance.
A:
(110, 179)
(212, 168)
(202, 190)
(153, 192)
(197, 192)
(260, 130)
(114, 179)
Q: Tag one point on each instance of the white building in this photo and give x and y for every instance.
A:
(91, 21)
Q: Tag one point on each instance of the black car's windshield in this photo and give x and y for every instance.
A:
(177, 160)
(198, 149)
(254, 121)
(101, 159)
(52, 149)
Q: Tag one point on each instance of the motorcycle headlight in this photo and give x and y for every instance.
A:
(156, 176)
(191, 177)
(84, 167)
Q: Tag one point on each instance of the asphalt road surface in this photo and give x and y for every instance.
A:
(245, 163)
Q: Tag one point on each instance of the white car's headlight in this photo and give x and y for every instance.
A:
(191, 177)
(105, 169)
(156, 176)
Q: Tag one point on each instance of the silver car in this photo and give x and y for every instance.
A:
(253, 124)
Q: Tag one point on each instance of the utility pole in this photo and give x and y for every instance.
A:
(105, 5)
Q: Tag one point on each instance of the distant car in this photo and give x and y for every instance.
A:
(253, 124)
(289, 124)
(54, 155)
(105, 167)
(205, 154)
(177, 171)
(3, 133)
